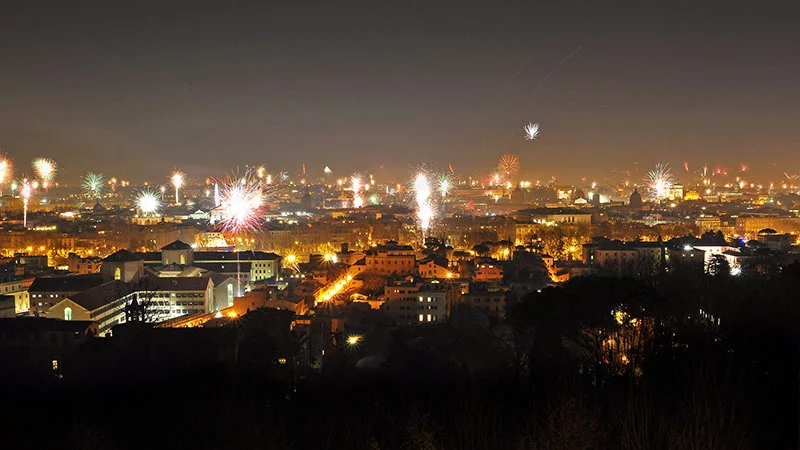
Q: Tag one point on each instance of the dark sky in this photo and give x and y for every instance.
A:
(135, 88)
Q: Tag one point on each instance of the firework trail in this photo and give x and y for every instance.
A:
(422, 192)
(356, 186)
(516, 74)
(557, 66)
(25, 192)
(177, 181)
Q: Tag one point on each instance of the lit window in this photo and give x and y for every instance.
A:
(67, 313)
(421, 318)
(55, 364)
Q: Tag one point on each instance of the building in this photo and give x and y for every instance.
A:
(748, 225)
(487, 297)
(488, 270)
(38, 347)
(626, 258)
(553, 216)
(45, 292)
(7, 306)
(391, 259)
(248, 266)
(635, 200)
(18, 290)
(434, 268)
(413, 303)
(161, 298)
(83, 266)
(122, 266)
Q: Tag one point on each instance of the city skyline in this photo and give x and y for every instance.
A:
(393, 87)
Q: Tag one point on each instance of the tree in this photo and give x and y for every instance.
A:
(719, 266)
(481, 249)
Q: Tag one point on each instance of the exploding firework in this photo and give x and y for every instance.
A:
(422, 194)
(45, 170)
(445, 185)
(356, 186)
(5, 169)
(659, 182)
(177, 181)
(241, 203)
(531, 131)
(93, 184)
(148, 202)
(508, 164)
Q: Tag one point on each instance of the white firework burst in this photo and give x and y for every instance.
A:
(531, 131)
(659, 182)
(148, 202)
(422, 194)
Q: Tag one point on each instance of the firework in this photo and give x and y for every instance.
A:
(508, 164)
(356, 185)
(148, 202)
(240, 203)
(45, 170)
(531, 131)
(422, 192)
(445, 185)
(93, 184)
(659, 182)
(177, 181)
(25, 192)
(5, 169)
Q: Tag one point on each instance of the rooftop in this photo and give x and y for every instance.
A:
(72, 283)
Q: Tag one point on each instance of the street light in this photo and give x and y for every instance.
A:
(353, 340)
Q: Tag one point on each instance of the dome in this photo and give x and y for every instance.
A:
(767, 231)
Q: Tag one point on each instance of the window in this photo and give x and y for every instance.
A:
(67, 313)
(117, 274)
(183, 260)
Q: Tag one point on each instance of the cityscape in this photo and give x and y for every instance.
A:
(516, 293)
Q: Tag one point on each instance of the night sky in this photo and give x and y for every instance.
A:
(135, 89)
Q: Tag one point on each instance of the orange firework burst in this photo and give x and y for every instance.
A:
(508, 164)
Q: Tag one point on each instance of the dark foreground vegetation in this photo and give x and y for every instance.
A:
(597, 364)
